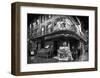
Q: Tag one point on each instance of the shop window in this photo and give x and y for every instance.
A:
(48, 44)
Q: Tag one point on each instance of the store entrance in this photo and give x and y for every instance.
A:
(57, 44)
(73, 45)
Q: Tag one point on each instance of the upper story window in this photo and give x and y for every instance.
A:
(34, 25)
(43, 30)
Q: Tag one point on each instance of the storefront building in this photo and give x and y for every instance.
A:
(47, 34)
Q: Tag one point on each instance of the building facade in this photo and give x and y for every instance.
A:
(48, 32)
